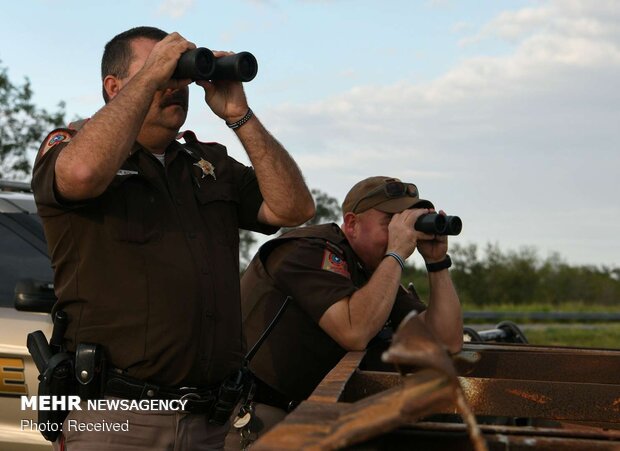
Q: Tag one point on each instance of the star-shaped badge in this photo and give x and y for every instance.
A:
(206, 167)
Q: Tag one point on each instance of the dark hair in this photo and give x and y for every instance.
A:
(117, 54)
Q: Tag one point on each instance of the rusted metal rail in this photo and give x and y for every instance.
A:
(525, 397)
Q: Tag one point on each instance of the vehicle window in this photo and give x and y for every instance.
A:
(19, 260)
(32, 223)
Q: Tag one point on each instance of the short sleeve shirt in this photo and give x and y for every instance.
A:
(149, 269)
(317, 273)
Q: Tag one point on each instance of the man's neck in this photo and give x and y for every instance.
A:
(156, 141)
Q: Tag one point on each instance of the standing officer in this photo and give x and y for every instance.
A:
(143, 235)
(345, 287)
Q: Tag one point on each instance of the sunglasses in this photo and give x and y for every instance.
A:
(391, 189)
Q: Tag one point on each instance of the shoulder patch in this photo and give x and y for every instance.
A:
(54, 138)
(334, 263)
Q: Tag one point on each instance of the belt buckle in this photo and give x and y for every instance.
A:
(189, 396)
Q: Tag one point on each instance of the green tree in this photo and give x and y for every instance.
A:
(327, 208)
(22, 126)
(521, 278)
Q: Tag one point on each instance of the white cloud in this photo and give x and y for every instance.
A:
(527, 142)
(175, 8)
(565, 18)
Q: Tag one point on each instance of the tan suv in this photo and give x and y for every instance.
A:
(26, 297)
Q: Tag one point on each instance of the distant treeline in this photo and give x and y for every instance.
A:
(521, 277)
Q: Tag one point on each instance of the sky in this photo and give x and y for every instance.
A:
(506, 114)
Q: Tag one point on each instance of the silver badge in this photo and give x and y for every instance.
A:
(206, 167)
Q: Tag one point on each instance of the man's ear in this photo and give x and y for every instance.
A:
(349, 225)
(112, 86)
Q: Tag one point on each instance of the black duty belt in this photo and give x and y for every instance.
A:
(199, 400)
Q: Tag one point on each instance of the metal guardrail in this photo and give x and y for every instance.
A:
(542, 316)
(12, 185)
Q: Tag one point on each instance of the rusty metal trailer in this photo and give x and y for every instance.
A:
(524, 397)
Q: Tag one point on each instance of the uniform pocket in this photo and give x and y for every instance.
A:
(218, 204)
(134, 212)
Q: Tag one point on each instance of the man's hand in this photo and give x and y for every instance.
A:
(225, 98)
(434, 249)
(287, 201)
(162, 61)
(402, 236)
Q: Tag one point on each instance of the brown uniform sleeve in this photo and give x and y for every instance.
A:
(43, 176)
(297, 269)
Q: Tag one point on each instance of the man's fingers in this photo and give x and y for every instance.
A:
(177, 83)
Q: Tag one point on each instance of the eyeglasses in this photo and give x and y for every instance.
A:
(392, 189)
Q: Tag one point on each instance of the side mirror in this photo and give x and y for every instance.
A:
(34, 296)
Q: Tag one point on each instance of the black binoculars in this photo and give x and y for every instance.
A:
(201, 64)
(437, 224)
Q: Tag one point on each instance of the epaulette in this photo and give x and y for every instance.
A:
(334, 248)
(190, 137)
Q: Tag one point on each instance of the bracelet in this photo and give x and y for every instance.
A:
(438, 266)
(398, 258)
(243, 120)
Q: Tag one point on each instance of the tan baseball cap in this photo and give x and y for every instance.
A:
(386, 194)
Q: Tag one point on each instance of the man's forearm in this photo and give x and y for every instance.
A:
(287, 200)
(352, 322)
(370, 306)
(89, 162)
(443, 315)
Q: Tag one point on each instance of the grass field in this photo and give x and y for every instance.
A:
(592, 335)
(588, 335)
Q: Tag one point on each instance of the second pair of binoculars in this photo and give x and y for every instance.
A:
(437, 224)
(201, 64)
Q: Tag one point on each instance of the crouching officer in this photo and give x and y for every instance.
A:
(345, 286)
(142, 225)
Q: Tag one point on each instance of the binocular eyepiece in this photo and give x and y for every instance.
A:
(437, 224)
(201, 64)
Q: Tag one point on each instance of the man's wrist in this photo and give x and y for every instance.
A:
(440, 265)
(238, 123)
(398, 258)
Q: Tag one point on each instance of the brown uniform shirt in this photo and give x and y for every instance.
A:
(317, 267)
(150, 269)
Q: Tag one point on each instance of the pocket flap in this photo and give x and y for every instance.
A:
(220, 191)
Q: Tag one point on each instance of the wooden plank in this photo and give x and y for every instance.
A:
(331, 387)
